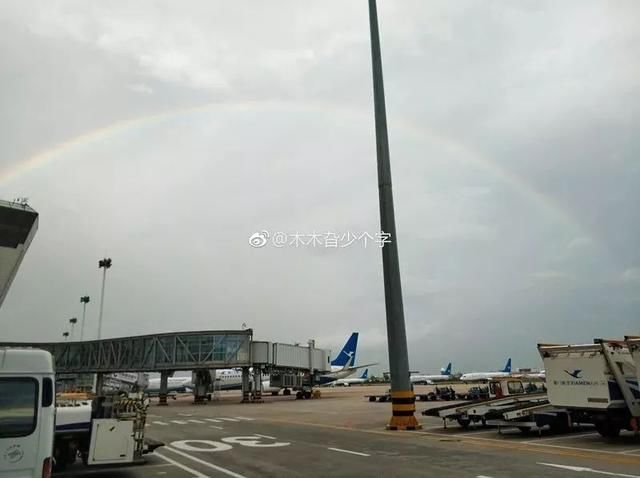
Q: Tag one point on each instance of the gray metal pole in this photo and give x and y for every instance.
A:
(104, 278)
(84, 314)
(402, 396)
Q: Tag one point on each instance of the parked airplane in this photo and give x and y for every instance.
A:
(505, 372)
(346, 382)
(343, 365)
(174, 385)
(445, 374)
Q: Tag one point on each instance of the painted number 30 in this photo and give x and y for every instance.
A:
(225, 443)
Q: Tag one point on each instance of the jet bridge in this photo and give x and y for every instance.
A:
(18, 225)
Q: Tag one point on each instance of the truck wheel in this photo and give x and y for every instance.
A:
(464, 422)
(286, 391)
(298, 395)
(275, 394)
(372, 399)
(608, 429)
(307, 395)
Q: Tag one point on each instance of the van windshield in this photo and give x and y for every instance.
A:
(18, 406)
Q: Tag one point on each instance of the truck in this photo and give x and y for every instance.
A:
(41, 432)
(596, 383)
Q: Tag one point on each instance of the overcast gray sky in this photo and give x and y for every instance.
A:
(163, 134)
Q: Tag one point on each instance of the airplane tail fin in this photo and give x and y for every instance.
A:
(447, 370)
(347, 356)
(365, 374)
(507, 367)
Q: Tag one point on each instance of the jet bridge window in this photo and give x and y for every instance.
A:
(18, 406)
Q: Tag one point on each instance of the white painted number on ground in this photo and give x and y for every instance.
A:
(253, 441)
(210, 446)
(201, 445)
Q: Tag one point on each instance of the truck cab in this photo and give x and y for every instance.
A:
(27, 413)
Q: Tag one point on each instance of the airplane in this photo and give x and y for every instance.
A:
(343, 365)
(445, 374)
(505, 372)
(346, 382)
(174, 385)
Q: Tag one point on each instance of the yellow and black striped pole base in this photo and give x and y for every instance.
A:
(403, 406)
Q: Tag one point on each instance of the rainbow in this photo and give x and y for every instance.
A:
(458, 151)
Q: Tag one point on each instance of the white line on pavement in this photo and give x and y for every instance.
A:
(630, 452)
(193, 420)
(185, 414)
(264, 436)
(205, 463)
(216, 427)
(245, 418)
(585, 469)
(212, 420)
(160, 423)
(562, 437)
(179, 422)
(195, 473)
(230, 419)
(349, 451)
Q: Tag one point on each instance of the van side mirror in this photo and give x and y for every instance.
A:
(47, 392)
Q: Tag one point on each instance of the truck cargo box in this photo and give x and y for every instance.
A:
(579, 376)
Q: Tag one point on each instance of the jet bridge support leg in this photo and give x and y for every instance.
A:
(164, 388)
(257, 384)
(246, 385)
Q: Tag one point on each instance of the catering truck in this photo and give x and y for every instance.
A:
(597, 383)
(39, 431)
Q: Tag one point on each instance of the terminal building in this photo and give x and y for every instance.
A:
(18, 225)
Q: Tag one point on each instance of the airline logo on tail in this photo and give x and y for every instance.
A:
(507, 367)
(365, 374)
(347, 356)
(447, 370)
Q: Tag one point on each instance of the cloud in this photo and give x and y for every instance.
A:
(631, 275)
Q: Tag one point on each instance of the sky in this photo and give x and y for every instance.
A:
(165, 134)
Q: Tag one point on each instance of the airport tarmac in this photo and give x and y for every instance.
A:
(342, 434)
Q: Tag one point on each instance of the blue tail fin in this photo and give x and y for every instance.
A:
(347, 356)
(447, 370)
(507, 368)
(365, 374)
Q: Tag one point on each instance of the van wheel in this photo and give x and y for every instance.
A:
(464, 422)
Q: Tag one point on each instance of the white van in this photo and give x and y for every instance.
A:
(27, 413)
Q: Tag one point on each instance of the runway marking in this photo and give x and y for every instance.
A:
(608, 456)
(264, 436)
(349, 451)
(179, 422)
(206, 463)
(562, 437)
(589, 470)
(245, 418)
(214, 426)
(212, 420)
(195, 473)
(193, 420)
(229, 419)
(160, 423)
(483, 476)
(185, 414)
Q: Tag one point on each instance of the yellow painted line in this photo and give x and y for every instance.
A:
(601, 455)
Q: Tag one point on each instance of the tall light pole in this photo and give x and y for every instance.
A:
(402, 396)
(84, 300)
(102, 264)
(73, 321)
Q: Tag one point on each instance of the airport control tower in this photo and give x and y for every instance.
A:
(18, 225)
